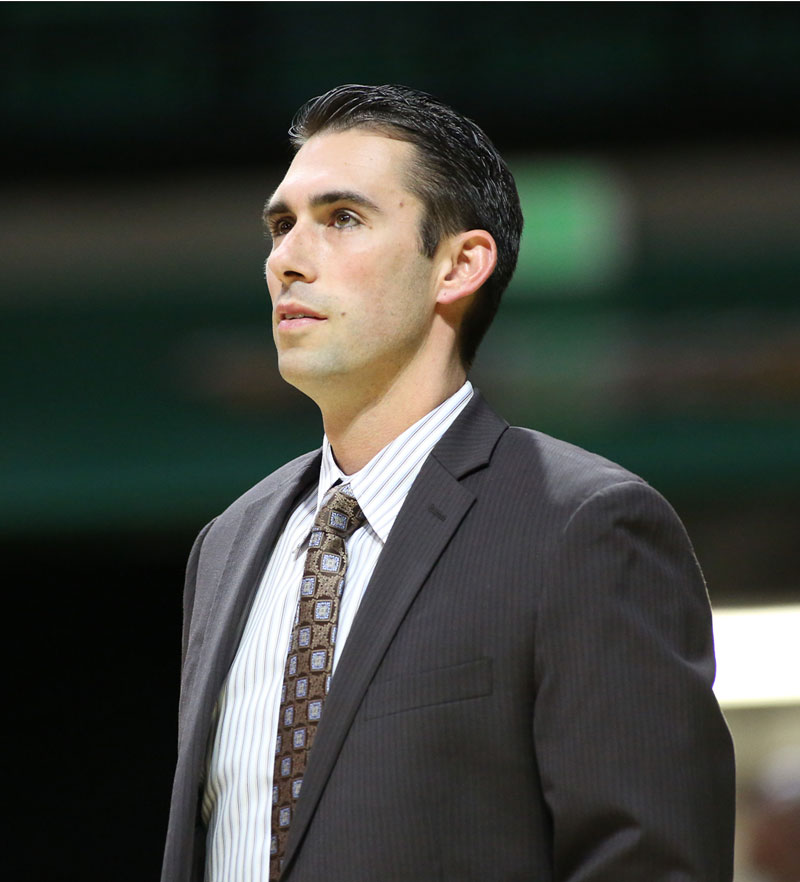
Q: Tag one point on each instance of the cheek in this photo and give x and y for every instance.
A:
(363, 286)
(386, 283)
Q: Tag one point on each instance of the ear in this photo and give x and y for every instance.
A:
(470, 258)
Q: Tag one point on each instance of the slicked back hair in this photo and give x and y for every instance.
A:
(460, 178)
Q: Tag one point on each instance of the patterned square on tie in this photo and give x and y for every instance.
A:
(329, 563)
(317, 661)
(275, 794)
(304, 637)
(301, 687)
(322, 610)
(288, 715)
(314, 710)
(338, 521)
(278, 744)
(286, 766)
(273, 845)
(285, 813)
(340, 588)
(296, 788)
(307, 586)
(293, 665)
(333, 634)
(315, 540)
(299, 738)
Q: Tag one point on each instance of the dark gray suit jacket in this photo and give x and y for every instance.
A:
(525, 693)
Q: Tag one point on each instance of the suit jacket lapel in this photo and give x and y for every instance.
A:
(432, 512)
(233, 594)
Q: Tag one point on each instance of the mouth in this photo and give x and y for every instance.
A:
(292, 316)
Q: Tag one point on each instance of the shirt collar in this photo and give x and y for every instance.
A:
(382, 484)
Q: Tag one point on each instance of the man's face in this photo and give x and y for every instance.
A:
(353, 298)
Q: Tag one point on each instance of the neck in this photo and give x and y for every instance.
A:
(358, 431)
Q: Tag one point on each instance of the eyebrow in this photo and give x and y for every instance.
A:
(278, 206)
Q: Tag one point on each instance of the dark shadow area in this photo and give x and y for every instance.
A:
(95, 633)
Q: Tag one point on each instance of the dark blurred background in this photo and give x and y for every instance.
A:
(654, 318)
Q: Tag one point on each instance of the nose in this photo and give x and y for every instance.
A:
(291, 257)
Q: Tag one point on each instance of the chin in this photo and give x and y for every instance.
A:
(293, 376)
(301, 373)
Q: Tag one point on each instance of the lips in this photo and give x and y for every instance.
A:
(296, 315)
(294, 309)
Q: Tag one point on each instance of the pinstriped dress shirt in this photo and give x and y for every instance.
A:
(237, 800)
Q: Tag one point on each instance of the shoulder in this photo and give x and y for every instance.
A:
(482, 448)
(582, 506)
(267, 501)
(557, 472)
(289, 478)
(529, 476)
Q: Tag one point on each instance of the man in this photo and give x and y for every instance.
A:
(509, 636)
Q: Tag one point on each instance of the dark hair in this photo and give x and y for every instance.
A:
(459, 177)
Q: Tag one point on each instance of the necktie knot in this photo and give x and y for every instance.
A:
(341, 515)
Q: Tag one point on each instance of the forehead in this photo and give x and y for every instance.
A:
(356, 160)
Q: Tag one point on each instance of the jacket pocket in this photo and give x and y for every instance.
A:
(471, 679)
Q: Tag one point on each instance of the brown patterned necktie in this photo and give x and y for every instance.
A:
(307, 674)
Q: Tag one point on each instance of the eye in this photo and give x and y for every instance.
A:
(280, 227)
(343, 219)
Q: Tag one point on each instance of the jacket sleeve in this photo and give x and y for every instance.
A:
(189, 588)
(635, 757)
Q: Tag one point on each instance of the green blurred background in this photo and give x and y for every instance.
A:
(654, 318)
